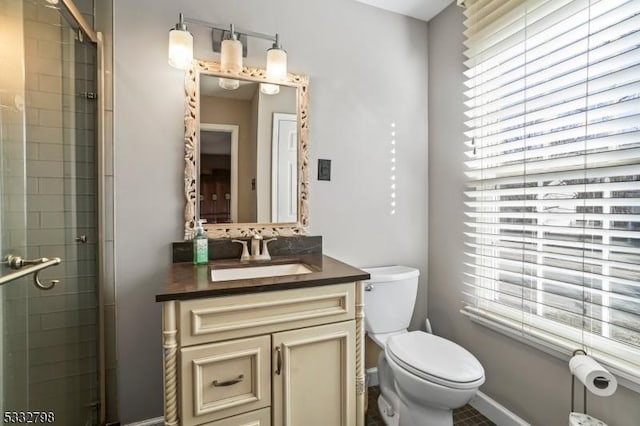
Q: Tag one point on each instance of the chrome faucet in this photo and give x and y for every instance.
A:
(256, 253)
(255, 246)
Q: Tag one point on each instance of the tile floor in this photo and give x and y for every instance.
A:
(464, 416)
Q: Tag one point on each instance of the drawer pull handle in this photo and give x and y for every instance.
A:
(278, 360)
(228, 382)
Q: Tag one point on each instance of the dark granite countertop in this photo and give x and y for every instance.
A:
(188, 281)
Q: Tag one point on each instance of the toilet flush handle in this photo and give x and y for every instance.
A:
(368, 287)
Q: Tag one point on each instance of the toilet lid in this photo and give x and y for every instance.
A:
(436, 359)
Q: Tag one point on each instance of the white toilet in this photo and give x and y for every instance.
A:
(422, 377)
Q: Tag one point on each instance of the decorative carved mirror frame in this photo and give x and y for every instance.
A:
(192, 146)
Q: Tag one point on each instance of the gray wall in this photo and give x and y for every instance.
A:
(368, 68)
(531, 383)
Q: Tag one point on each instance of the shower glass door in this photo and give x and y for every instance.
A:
(48, 188)
(13, 210)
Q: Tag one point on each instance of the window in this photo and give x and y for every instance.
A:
(553, 191)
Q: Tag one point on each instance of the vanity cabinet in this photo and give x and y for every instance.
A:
(287, 357)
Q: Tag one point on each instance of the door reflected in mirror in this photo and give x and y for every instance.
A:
(248, 153)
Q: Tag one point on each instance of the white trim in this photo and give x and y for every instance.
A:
(372, 376)
(494, 411)
(149, 422)
(546, 347)
(233, 129)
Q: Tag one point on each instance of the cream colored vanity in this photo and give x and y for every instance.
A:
(266, 356)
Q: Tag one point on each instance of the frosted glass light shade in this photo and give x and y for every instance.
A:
(276, 64)
(228, 83)
(231, 56)
(180, 49)
(269, 89)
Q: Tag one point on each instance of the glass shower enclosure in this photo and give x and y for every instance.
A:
(49, 354)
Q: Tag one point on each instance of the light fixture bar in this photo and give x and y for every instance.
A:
(221, 27)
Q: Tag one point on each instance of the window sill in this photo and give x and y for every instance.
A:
(623, 379)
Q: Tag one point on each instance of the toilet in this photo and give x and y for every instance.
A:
(422, 377)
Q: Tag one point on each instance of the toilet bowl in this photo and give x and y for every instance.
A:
(422, 377)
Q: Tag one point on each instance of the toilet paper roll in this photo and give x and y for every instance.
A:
(594, 376)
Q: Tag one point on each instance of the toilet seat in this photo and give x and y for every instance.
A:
(435, 359)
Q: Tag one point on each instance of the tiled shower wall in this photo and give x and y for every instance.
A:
(61, 205)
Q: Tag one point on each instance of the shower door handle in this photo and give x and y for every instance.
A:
(17, 262)
(81, 239)
(35, 266)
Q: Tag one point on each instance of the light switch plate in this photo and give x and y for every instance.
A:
(324, 169)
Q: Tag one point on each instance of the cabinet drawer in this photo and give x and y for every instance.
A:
(254, 418)
(223, 379)
(230, 317)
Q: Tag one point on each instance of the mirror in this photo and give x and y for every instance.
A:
(246, 155)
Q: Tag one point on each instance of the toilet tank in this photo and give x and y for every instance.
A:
(389, 298)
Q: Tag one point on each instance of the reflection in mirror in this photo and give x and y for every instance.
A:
(248, 153)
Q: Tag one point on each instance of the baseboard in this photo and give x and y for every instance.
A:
(371, 376)
(496, 412)
(158, 421)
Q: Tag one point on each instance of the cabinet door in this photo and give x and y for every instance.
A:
(314, 376)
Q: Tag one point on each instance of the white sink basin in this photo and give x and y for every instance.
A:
(231, 274)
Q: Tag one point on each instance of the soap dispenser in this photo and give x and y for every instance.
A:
(200, 245)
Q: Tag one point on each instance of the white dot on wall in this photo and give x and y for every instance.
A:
(392, 152)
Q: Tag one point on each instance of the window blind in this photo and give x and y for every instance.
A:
(553, 165)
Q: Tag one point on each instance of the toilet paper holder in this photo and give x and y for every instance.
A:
(602, 383)
(573, 385)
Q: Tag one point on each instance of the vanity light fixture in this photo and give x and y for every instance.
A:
(228, 83)
(232, 48)
(231, 53)
(180, 45)
(230, 60)
(276, 67)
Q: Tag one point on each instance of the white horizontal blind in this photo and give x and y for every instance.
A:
(553, 192)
